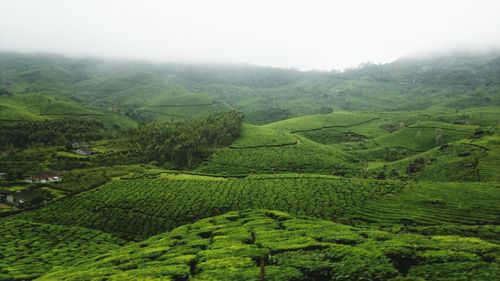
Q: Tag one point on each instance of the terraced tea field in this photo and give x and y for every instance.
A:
(212, 172)
(457, 161)
(257, 244)
(488, 165)
(150, 207)
(29, 249)
(303, 156)
(257, 136)
(424, 136)
(468, 209)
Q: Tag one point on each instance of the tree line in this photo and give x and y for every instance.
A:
(184, 143)
(51, 132)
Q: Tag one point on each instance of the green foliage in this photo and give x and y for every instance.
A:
(450, 162)
(431, 121)
(56, 132)
(303, 156)
(183, 142)
(153, 206)
(245, 245)
(424, 136)
(30, 249)
(252, 136)
(467, 209)
(79, 180)
(138, 90)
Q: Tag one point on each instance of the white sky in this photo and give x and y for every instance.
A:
(309, 34)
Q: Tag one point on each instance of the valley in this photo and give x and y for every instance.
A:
(132, 171)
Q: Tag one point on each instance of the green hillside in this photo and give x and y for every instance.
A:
(253, 244)
(30, 249)
(158, 205)
(129, 170)
(424, 136)
(454, 82)
(38, 107)
(257, 136)
(444, 208)
(301, 156)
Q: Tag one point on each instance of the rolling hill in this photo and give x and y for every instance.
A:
(380, 172)
(253, 244)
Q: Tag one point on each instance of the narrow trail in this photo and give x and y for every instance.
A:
(334, 126)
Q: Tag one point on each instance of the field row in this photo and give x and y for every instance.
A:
(136, 209)
(469, 209)
(305, 156)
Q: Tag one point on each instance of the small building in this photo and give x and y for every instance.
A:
(52, 176)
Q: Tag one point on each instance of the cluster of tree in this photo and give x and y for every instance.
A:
(54, 132)
(183, 143)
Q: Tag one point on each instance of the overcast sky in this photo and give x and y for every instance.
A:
(309, 34)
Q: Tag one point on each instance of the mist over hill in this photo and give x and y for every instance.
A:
(135, 170)
(318, 140)
(263, 94)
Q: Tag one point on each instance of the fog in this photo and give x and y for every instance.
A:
(308, 34)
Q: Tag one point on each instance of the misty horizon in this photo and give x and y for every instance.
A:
(323, 35)
(231, 140)
(131, 60)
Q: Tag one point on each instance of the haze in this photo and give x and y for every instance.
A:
(299, 34)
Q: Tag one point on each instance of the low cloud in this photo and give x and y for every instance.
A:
(303, 34)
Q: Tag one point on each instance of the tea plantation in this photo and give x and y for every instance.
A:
(272, 245)
(303, 156)
(463, 209)
(153, 206)
(140, 171)
(29, 249)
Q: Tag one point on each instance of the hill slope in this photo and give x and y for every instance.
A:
(256, 244)
(263, 94)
